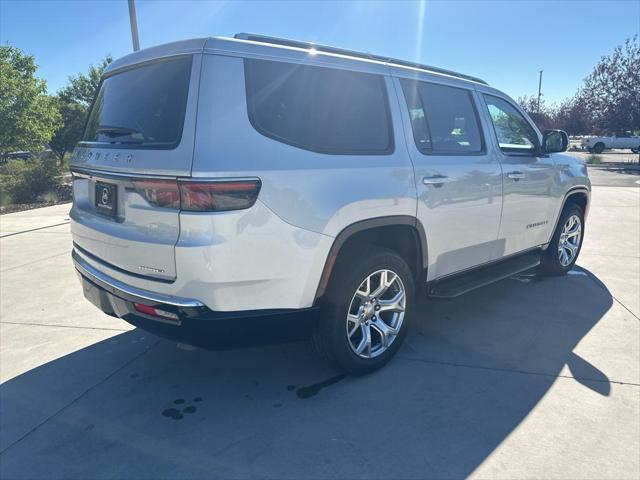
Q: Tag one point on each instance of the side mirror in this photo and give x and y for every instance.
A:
(554, 141)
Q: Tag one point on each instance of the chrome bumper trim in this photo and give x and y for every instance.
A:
(85, 269)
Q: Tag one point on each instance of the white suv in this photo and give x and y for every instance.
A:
(227, 191)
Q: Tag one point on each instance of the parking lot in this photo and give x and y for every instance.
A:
(525, 378)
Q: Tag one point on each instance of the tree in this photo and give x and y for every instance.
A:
(541, 115)
(573, 116)
(82, 88)
(28, 116)
(74, 101)
(69, 133)
(612, 91)
(607, 103)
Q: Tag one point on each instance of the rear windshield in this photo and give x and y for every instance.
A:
(141, 108)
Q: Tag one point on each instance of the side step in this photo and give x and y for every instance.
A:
(457, 284)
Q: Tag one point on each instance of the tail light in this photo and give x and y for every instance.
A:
(200, 196)
(218, 196)
(159, 193)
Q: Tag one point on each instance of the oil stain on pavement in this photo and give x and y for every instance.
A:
(177, 413)
(311, 390)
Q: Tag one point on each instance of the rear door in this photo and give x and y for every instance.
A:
(458, 180)
(138, 140)
(529, 206)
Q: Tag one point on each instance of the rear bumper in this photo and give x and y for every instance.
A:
(195, 324)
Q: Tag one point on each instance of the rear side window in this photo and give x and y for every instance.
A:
(320, 109)
(143, 107)
(514, 133)
(443, 118)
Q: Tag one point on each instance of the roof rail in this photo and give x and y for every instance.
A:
(351, 53)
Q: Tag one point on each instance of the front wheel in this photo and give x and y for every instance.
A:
(365, 310)
(563, 251)
(598, 147)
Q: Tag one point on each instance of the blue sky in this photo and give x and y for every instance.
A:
(503, 42)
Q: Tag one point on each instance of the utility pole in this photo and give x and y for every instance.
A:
(539, 88)
(134, 26)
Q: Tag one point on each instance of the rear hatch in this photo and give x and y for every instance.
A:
(137, 141)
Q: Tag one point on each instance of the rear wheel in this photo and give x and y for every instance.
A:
(365, 310)
(598, 147)
(563, 251)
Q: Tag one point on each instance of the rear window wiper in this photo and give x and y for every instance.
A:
(117, 131)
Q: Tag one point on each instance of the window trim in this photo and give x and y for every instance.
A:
(474, 106)
(536, 152)
(133, 146)
(390, 150)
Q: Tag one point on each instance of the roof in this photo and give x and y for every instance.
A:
(246, 43)
(353, 54)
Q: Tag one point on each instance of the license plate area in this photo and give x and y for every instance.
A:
(106, 198)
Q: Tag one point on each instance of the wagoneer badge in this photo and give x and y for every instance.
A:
(151, 269)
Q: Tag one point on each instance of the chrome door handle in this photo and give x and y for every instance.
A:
(435, 180)
(515, 175)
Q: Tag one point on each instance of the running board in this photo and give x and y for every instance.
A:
(458, 284)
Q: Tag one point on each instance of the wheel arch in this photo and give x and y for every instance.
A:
(577, 195)
(413, 249)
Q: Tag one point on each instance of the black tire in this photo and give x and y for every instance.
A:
(330, 336)
(635, 150)
(598, 147)
(550, 264)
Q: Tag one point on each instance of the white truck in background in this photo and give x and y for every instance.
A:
(599, 144)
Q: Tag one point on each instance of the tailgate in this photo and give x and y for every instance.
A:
(135, 237)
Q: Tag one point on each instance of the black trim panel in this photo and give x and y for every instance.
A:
(572, 191)
(459, 283)
(354, 228)
(204, 327)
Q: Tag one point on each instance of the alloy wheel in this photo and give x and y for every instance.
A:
(569, 242)
(376, 313)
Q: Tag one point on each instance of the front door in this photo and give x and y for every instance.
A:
(459, 184)
(529, 209)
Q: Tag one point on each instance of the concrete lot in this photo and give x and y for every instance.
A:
(524, 378)
(618, 168)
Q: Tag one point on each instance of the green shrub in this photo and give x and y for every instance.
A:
(27, 181)
(591, 159)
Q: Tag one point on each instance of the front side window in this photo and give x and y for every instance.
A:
(443, 118)
(515, 134)
(143, 107)
(320, 109)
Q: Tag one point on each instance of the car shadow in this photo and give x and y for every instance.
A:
(472, 369)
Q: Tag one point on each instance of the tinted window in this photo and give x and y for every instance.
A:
(443, 118)
(320, 109)
(513, 131)
(141, 107)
